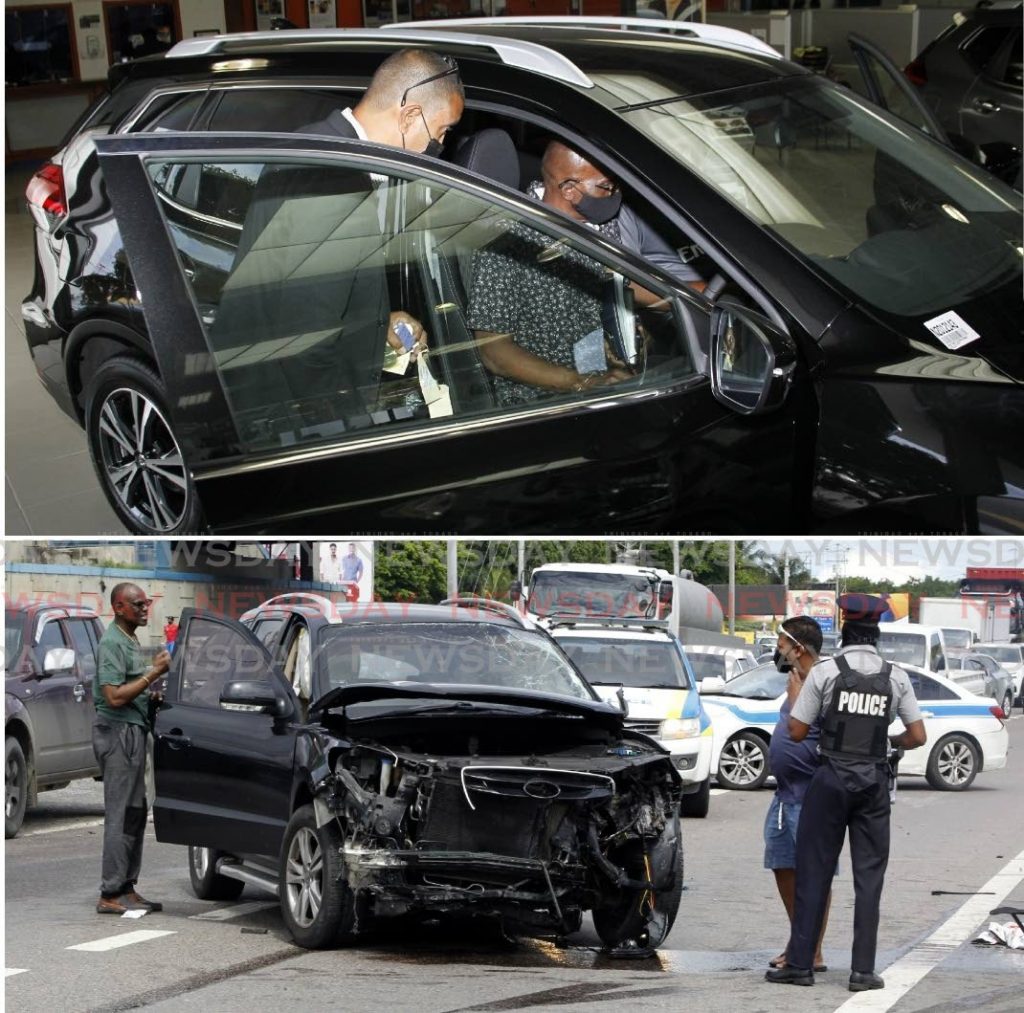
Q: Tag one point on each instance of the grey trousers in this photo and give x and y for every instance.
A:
(120, 749)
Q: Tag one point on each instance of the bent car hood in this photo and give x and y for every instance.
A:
(603, 713)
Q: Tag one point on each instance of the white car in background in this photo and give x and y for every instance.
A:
(719, 662)
(646, 662)
(966, 734)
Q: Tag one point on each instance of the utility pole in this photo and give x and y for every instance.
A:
(675, 557)
(453, 568)
(732, 587)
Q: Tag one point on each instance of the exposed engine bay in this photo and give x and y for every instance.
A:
(487, 810)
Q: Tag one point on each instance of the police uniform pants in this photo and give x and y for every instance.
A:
(835, 801)
(120, 749)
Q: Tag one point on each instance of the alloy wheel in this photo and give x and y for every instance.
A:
(956, 763)
(201, 861)
(304, 877)
(742, 761)
(142, 461)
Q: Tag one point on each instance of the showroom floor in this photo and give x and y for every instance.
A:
(50, 484)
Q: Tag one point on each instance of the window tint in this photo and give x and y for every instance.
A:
(266, 631)
(277, 109)
(929, 689)
(82, 643)
(296, 268)
(1014, 70)
(215, 655)
(983, 45)
(170, 112)
(50, 637)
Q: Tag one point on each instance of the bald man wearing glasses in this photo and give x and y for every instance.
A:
(120, 740)
(793, 764)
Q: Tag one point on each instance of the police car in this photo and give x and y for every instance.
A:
(966, 732)
(646, 663)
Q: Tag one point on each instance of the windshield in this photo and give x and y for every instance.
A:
(1005, 655)
(957, 639)
(762, 683)
(12, 637)
(903, 648)
(889, 214)
(651, 665)
(704, 665)
(463, 653)
(578, 593)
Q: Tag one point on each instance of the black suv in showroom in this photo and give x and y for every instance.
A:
(374, 760)
(854, 365)
(50, 660)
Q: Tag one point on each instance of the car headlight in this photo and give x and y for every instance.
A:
(679, 728)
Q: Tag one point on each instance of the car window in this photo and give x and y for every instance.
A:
(1010, 73)
(937, 659)
(173, 111)
(267, 631)
(888, 214)
(763, 683)
(652, 664)
(296, 267)
(277, 109)
(50, 637)
(983, 45)
(930, 689)
(477, 654)
(214, 655)
(82, 642)
(905, 648)
(704, 665)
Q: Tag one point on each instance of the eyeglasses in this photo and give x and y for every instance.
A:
(140, 605)
(601, 189)
(785, 633)
(449, 62)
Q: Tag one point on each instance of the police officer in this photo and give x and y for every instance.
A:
(856, 694)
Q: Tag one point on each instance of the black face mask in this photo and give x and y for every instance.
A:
(781, 664)
(599, 210)
(434, 146)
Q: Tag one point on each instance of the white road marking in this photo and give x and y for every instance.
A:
(719, 791)
(76, 825)
(223, 914)
(125, 939)
(906, 972)
(8, 971)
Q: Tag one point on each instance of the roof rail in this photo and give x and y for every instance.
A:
(731, 38)
(500, 608)
(317, 601)
(514, 52)
(610, 622)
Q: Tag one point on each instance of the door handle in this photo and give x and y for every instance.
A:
(79, 692)
(986, 105)
(175, 739)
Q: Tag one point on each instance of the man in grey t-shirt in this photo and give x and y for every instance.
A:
(856, 694)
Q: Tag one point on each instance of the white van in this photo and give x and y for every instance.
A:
(913, 644)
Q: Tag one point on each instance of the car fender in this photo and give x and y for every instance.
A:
(18, 723)
(93, 342)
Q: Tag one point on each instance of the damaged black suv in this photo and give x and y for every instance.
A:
(371, 760)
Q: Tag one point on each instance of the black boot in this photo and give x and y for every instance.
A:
(790, 976)
(863, 981)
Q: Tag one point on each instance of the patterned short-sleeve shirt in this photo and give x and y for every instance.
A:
(545, 294)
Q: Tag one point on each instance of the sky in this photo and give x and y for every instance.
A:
(900, 558)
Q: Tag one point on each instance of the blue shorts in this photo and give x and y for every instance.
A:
(780, 834)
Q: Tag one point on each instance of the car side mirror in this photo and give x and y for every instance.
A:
(752, 361)
(58, 659)
(260, 695)
(620, 695)
(711, 684)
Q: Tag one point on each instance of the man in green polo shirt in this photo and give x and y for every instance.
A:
(120, 691)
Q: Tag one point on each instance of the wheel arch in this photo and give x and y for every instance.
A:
(93, 342)
(964, 735)
(19, 728)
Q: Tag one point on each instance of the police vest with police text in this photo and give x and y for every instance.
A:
(856, 723)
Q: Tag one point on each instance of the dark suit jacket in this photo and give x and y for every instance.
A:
(300, 330)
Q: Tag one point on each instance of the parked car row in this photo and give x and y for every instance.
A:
(860, 328)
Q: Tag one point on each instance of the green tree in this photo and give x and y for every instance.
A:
(410, 571)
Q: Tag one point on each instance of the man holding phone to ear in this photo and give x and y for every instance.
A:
(120, 740)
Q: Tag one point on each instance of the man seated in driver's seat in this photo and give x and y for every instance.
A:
(536, 306)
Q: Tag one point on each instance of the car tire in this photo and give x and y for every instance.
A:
(743, 762)
(953, 764)
(125, 407)
(316, 902)
(1008, 702)
(207, 883)
(16, 783)
(627, 916)
(697, 804)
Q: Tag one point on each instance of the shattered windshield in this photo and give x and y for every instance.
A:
(469, 654)
(889, 214)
